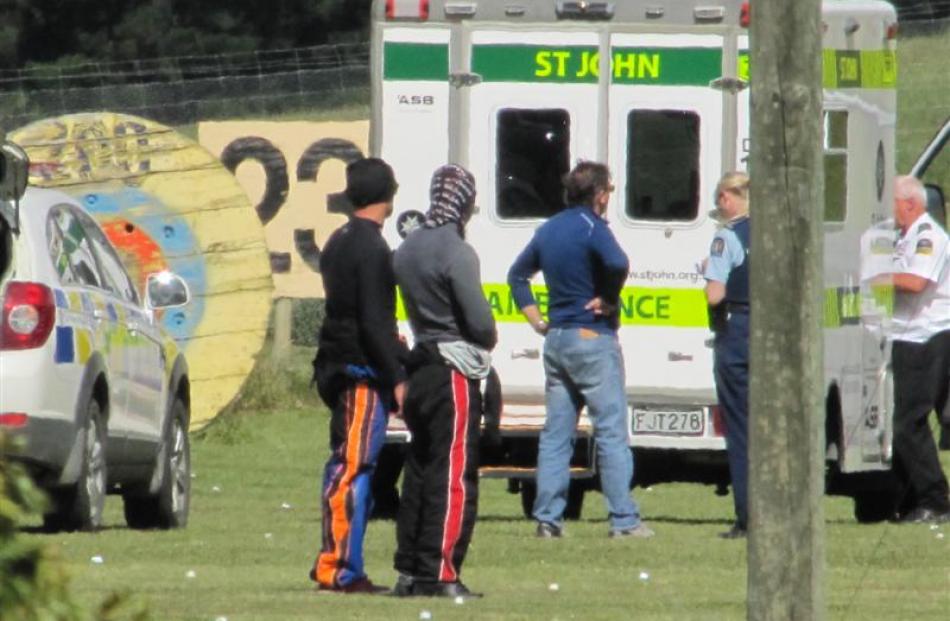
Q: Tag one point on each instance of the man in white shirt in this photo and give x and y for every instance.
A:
(921, 353)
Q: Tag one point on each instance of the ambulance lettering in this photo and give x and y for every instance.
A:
(630, 65)
(416, 100)
(545, 66)
(645, 306)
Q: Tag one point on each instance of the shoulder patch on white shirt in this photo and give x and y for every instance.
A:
(718, 246)
(924, 246)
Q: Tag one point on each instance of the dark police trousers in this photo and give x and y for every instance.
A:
(440, 481)
(731, 369)
(919, 379)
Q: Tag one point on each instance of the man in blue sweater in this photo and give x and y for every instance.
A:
(584, 270)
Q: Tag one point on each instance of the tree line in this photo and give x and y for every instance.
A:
(38, 32)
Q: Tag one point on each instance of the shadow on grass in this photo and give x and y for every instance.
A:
(40, 530)
(603, 520)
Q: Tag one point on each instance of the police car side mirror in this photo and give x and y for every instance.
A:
(14, 171)
(936, 204)
(166, 290)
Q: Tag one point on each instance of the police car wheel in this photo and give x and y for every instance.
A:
(168, 507)
(80, 506)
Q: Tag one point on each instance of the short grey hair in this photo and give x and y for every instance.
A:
(908, 187)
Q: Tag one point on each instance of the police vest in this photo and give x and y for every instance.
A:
(737, 286)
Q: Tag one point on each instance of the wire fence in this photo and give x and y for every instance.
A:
(188, 89)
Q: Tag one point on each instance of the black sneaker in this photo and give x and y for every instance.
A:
(404, 587)
(443, 589)
(546, 530)
(922, 515)
(736, 532)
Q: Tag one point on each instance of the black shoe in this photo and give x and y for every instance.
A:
(922, 515)
(363, 586)
(404, 587)
(736, 532)
(443, 589)
(546, 530)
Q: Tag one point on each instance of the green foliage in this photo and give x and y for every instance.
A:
(922, 103)
(308, 316)
(32, 582)
(277, 382)
(101, 30)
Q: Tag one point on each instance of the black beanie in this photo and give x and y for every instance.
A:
(368, 181)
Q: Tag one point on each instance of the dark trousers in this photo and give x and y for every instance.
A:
(440, 481)
(731, 368)
(920, 378)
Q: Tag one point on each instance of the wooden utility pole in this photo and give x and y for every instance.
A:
(786, 423)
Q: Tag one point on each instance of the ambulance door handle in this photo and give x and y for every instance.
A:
(464, 79)
(529, 353)
(728, 84)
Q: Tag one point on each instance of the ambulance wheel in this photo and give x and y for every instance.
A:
(529, 492)
(874, 506)
(575, 499)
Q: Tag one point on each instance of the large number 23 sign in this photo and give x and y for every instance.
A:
(277, 185)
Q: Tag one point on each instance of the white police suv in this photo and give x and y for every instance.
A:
(96, 393)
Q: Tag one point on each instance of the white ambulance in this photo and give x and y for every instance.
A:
(518, 91)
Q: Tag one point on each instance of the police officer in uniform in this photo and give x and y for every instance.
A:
(726, 271)
(921, 352)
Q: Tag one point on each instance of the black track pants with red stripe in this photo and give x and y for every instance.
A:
(440, 482)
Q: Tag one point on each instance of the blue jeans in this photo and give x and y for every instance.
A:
(584, 367)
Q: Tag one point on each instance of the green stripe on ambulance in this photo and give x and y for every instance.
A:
(847, 68)
(639, 306)
(658, 66)
(581, 64)
(673, 307)
(416, 61)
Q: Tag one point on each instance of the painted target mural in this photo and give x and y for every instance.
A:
(167, 203)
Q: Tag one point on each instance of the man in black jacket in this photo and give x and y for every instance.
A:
(358, 371)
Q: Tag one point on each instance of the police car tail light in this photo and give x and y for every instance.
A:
(29, 313)
(417, 10)
(13, 420)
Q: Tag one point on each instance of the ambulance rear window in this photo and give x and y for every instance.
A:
(533, 156)
(662, 165)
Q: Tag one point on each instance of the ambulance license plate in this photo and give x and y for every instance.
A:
(668, 422)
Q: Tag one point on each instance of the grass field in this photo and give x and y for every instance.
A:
(255, 527)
